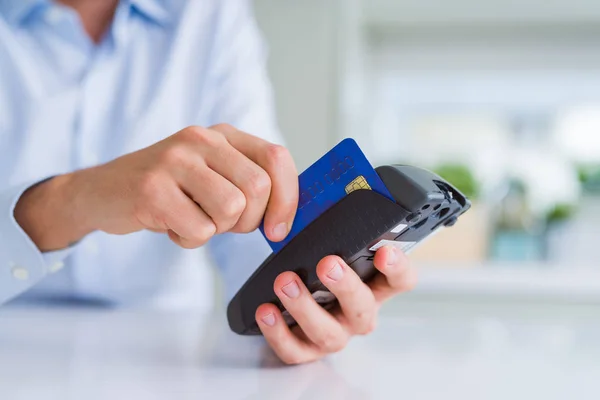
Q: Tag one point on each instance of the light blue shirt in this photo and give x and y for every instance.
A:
(67, 104)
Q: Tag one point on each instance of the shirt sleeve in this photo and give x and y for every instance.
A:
(245, 100)
(22, 264)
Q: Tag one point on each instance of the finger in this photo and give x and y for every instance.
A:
(319, 326)
(278, 163)
(355, 298)
(289, 348)
(188, 225)
(220, 199)
(158, 230)
(250, 178)
(396, 274)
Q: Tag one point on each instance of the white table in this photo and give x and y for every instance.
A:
(422, 350)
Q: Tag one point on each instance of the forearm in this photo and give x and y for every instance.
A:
(52, 213)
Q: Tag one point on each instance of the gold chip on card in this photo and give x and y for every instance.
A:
(358, 183)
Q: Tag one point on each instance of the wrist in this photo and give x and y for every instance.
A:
(72, 193)
(53, 214)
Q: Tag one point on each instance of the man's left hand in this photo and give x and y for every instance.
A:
(320, 332)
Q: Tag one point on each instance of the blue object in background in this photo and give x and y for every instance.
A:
(517, 246)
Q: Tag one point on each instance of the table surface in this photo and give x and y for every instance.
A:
(424, 350)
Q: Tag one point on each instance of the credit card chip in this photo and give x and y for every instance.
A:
(358, 183)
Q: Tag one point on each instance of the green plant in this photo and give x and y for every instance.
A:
(589, 176)
(560, 212)
(460, 176)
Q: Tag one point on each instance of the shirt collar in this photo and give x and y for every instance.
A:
(154, 10)
(16, 11)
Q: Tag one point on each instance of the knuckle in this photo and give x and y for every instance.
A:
(193, 132)
(366, 324)
(259, 185)
(246, 225)
(276, 155)
(291, 359)
(203, 233)
(223, 127)
(330, 342)
(204, 136)
(188, 244)
(234, 205)
(149, 186)
(200, 236)
(362, 318)
(173, 155)
(371, 326)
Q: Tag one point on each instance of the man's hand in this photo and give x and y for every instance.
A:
(191, 185)
(318, 332)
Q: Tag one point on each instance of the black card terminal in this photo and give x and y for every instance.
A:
(354, 228)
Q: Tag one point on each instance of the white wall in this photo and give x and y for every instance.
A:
(478, 12)
(302, 41)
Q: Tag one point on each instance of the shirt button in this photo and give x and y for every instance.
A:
(57, 266)
(20, 273)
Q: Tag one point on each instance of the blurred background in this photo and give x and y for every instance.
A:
(500, 97)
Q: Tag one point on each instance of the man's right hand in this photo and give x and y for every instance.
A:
(191, 185)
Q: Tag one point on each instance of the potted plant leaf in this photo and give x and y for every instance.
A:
(466, 243)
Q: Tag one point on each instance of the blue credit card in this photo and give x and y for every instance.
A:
(339, 172)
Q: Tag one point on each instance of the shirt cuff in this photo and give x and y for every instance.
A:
(22, 264)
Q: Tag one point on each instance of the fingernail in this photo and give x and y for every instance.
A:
(280, 231)
(336, 272)
(291, 290)
(392, 256)
(269, 319)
